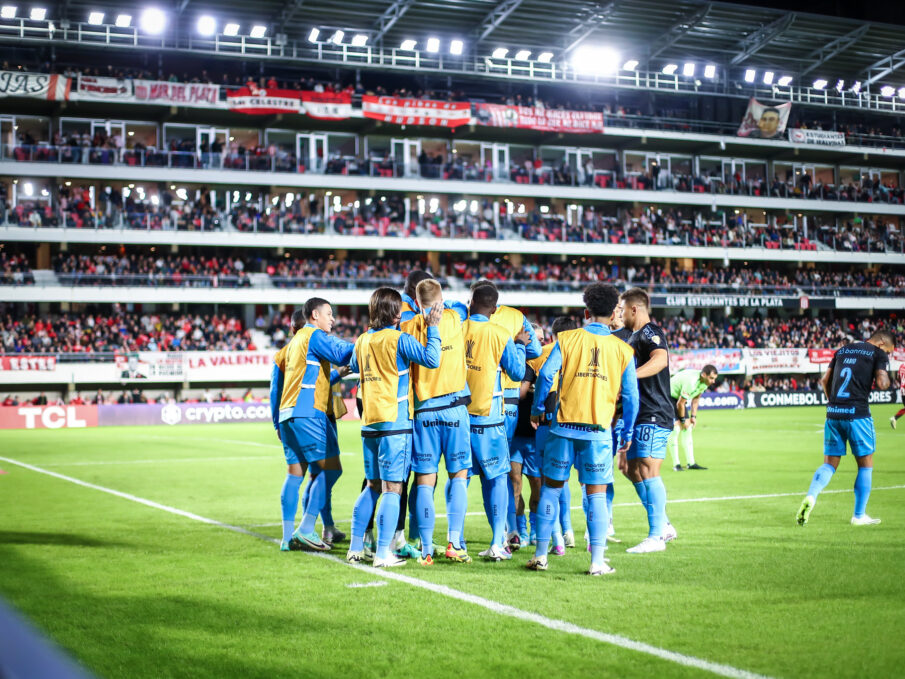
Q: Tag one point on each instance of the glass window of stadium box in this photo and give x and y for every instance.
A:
(732, 175)
(801, 179)
(282, 148)
(855, 175)
(342, 151)
(466, 161)
(26, 138)
(570, 165)
(653, 170)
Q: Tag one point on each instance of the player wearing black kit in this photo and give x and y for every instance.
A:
(847, 384)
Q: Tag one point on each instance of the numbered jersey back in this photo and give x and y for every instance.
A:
(854, 367)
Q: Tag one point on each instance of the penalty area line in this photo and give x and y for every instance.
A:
(718, 669)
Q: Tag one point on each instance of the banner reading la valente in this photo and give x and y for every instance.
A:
(542, 119)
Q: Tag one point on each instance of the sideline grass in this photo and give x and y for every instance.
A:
(133, 591)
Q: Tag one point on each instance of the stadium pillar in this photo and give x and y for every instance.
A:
(433, 261)
(515, 259)
(42, 258)
(341, 255)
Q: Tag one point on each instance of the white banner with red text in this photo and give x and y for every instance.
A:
(34, 85)
(537, 118)
(416, 111)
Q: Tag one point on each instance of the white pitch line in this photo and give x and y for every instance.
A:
(488, 604)
(164, 461)
(359, 585)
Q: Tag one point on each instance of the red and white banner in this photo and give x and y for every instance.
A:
(31, 362)
(211, 366)
(327, 105)
(725, 360)
(35, 85)
(47, 417)
(761, 361)
(100, 88)
(263, 101)
(178, 94)
(416, 111)
(543, 119)
(821, 356)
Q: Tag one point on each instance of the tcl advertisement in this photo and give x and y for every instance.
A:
(48, 417)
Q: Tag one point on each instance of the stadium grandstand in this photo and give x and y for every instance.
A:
(176, 179)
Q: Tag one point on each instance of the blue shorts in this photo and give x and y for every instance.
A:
(593, 458)
(649, 441)
(540, 440)
(859, 434)
(304, 439)
(444, 431)
(510, 412)
(388, 458)
(332, 439)
(524, 451)
(489, 450)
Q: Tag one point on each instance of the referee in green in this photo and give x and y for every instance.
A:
(686, 387)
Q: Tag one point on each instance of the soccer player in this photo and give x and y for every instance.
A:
(592, 365)
(686, 388)
(300, 384)
(641, 463)
(513, 321)
(524, 442)
(847, 385)
(490, 351)
(441, 425)
(895, 418)
(382, 356)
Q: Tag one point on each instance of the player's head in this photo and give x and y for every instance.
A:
(563, 323)
(384, 308)
(484, 299)
(539, 332)
(298, 320)
(478, 283)
(600, 300)
(709, 374)
(635, 308)
(428, 292)
(319, 313)
(411, 282)
(883, 339)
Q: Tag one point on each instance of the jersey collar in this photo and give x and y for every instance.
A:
(480, 318)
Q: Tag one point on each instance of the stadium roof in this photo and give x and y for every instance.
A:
(654, 32)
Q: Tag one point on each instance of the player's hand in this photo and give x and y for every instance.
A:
(535, 421)
(624, 448)
(344, 370)
(524, 337)
(435, 314)
(687, 424)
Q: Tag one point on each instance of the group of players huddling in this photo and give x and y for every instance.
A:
(474, 385)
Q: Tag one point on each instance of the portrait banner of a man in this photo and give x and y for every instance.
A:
(765, 121)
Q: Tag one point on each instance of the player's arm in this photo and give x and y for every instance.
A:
(527, 380)
(827, 380)
(276, 395)
(881, 377)
(694, 409)
(533, 348)
(336, 375)
(545, 380)
(412, 351)
(659, 360)
(329, 348)
(631, 402)
(513, 360)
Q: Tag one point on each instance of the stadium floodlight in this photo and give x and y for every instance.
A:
(669, 69)
(768, 77)
(820, 83)
(207, 25)
(94, 18)
(258, 31)
(840, 85)
(630, 65)
(314, 34)
(595, 60)
(359, 40)
(408, 45)
(123, 20)
(231, 29)
(901, 93)
(750, 75)
(710, 71)
(784, 81)
(545, 57)
(888, 91)
(433, 45)
(337, 37)
(688, 69)
(856, 88)
(9, 12)
(152, 21)
(523, 55)
(38, 14)
(500, 53)
(456, 47)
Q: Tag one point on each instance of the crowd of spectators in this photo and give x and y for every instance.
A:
(151, 270)
(121, 331)
(14, 269)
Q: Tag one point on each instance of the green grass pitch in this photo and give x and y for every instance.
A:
(133, 591)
